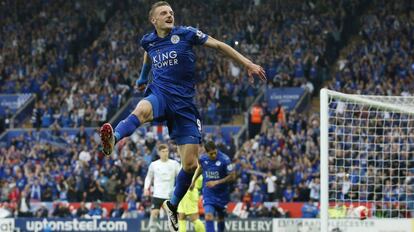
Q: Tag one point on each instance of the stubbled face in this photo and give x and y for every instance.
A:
(212, 154)
(163, 18)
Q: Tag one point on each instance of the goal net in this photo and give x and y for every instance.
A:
(367, 146)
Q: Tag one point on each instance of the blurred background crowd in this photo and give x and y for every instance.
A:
(81, 60)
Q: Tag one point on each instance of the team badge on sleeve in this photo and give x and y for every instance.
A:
(229, 167)
(175, 39)
(200, 34)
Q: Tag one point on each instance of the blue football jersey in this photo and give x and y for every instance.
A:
(173, 59)
(215, 170)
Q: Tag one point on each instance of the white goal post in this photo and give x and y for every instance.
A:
(366, 156)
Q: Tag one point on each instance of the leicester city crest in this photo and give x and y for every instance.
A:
(175, 39)
(218, 163)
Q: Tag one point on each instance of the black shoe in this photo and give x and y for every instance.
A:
(172, 215)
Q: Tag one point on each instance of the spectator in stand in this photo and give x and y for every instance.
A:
(288, 194)
(82, 211)
(81, 136)
(4, 190)
(42, 212)
(132, 211)
(117, 211)
(257, 195)
(95, 211)
(112, 187)
(23, 205)
(236, 195)
(35, 190)
(61, 210)
(270, 186)
(255, 121)
(102, 114)
(315, 187)
(14, 194)
(2, 123)
(95, 191)
(310, 210)
(303, 192)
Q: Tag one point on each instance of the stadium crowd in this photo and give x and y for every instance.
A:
(40, 54)
(289, 39)
(83, 82)
(84, 85)
(379, 63)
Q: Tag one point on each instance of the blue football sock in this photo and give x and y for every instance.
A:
(126, 127)
(183, 182)
(209, 226)
(220, 226)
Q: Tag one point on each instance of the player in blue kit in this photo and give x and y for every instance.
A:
(170, 96)
(217, 171)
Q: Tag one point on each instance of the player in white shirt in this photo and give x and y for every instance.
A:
(161, 173)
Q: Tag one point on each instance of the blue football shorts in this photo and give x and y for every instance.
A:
(180, 113)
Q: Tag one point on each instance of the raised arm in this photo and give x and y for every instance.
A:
(252, 68)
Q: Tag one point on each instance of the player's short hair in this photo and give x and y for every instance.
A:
(210, 146)
(155, 5)
(162, 147)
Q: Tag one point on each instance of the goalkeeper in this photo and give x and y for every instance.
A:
(188, 207)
